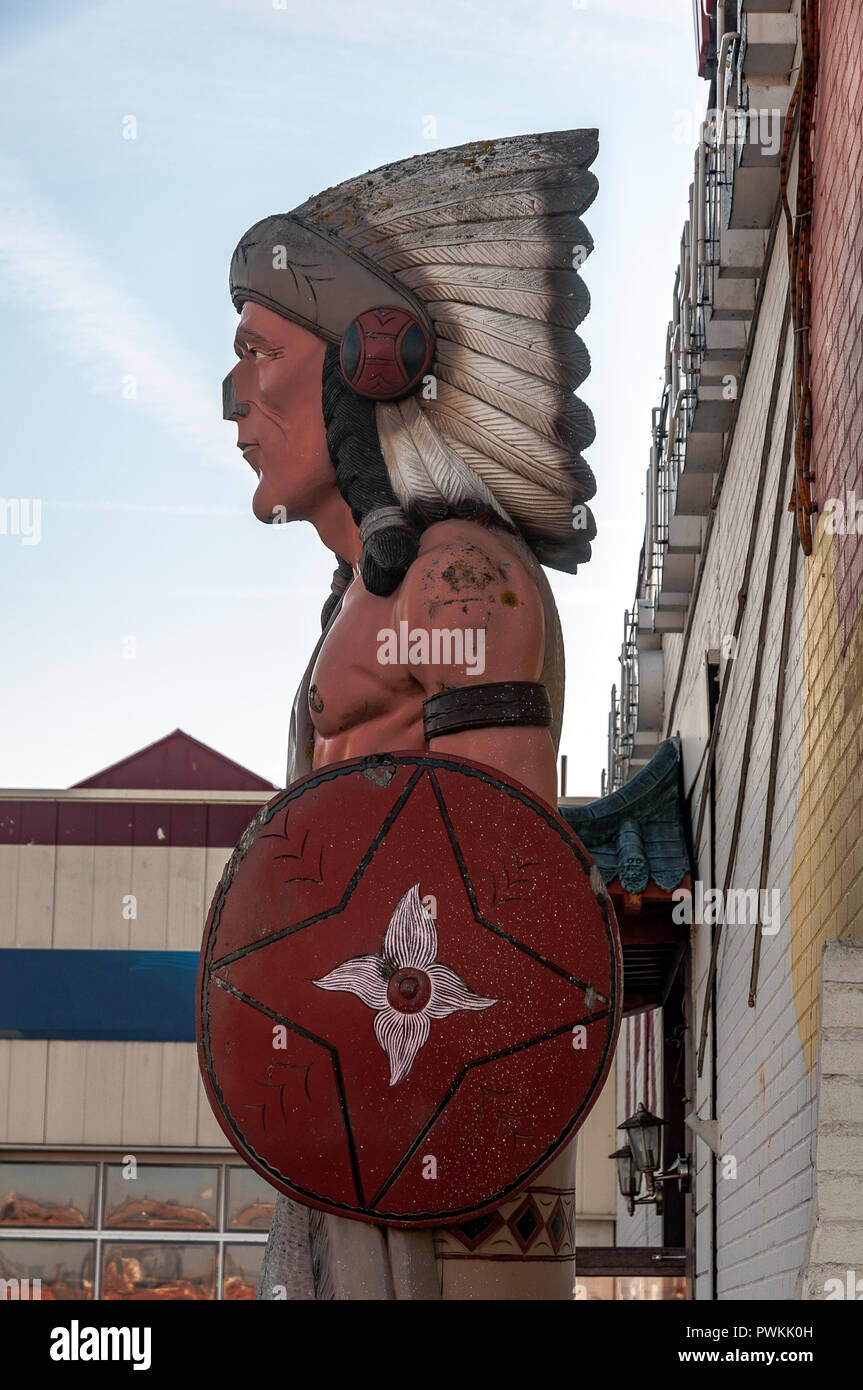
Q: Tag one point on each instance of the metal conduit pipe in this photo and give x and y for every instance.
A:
(686, 347)
(774, 758)
(650, 521)
(743, 592)
(670, 470)
(699, 247)
(673, 426)
(779, 511)
(655, 551)
(693, 236)
(675, 305)
(723, 466)
(684, 281)
(721, 59)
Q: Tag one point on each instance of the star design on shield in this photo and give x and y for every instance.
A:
(406, 985)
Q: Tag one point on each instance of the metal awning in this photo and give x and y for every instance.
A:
(637, 837)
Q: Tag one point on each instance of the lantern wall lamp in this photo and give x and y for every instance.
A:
(640, 1157)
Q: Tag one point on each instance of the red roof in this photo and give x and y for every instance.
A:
(178, 762)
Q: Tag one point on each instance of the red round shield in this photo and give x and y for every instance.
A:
(409, 990)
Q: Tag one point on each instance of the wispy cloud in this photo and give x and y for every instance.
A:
(159, 508)
(88, 314)
(653, 11)
(557, 32)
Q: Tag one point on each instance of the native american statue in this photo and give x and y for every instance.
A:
(407, 367)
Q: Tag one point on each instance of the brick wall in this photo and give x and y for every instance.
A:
(766, 1096)
(835, 1261)
(757, 1197)
(837, 287)
(763, 1099)
(827, 884)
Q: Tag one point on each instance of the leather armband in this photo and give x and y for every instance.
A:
(480, 706)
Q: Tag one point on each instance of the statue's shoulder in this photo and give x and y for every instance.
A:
(470, 573)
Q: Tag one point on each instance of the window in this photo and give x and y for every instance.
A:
(250, 1201)
(57, 1269)
(242, 1267)
(112, 1229)
(48, 1194)
(162, 1198)
(640, 1288)
(158, 1270)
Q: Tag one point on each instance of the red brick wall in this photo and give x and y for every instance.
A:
(837, 285)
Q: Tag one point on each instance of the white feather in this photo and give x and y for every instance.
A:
(535, 242)
(488, 237)
(424, 470)
(543, 349)
(499, 436)
(548, 409)
(530, 160)
(554, 296)
(532, 507)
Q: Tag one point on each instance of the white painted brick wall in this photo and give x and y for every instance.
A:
(764, 1102)
(836, 1232)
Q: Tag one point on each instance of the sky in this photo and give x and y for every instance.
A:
(140, 139)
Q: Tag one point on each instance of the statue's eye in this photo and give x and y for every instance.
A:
(249, 351)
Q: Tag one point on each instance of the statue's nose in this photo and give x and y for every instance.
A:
(231, 409)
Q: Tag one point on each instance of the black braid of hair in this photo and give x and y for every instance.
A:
(341, 579)
(362, 479)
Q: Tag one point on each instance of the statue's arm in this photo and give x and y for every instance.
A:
(467, 582)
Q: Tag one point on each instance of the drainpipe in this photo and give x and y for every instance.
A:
(714, 1070)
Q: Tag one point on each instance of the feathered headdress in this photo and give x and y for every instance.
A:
(483, 243)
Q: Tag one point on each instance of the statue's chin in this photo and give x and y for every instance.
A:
(270, 512)
(264, 507)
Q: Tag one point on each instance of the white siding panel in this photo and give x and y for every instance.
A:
(142, 1087)
(150, 887)
(178, 1110)
(113, 881)
(35, 900)
(73, 900)
(66, 1090)
(5, 1087)
(103, 1093)
(10, 856)
(217, 859)
(209, 1132)
(188, 901)
(23, 1070)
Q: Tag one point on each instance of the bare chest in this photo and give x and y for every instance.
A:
(353, 683)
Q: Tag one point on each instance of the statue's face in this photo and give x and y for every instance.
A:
(282, 434)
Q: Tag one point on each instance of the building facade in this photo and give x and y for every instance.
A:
(115, 1179)
(116, 1182)
(744, 642)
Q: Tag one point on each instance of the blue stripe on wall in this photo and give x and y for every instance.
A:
(103, 996)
